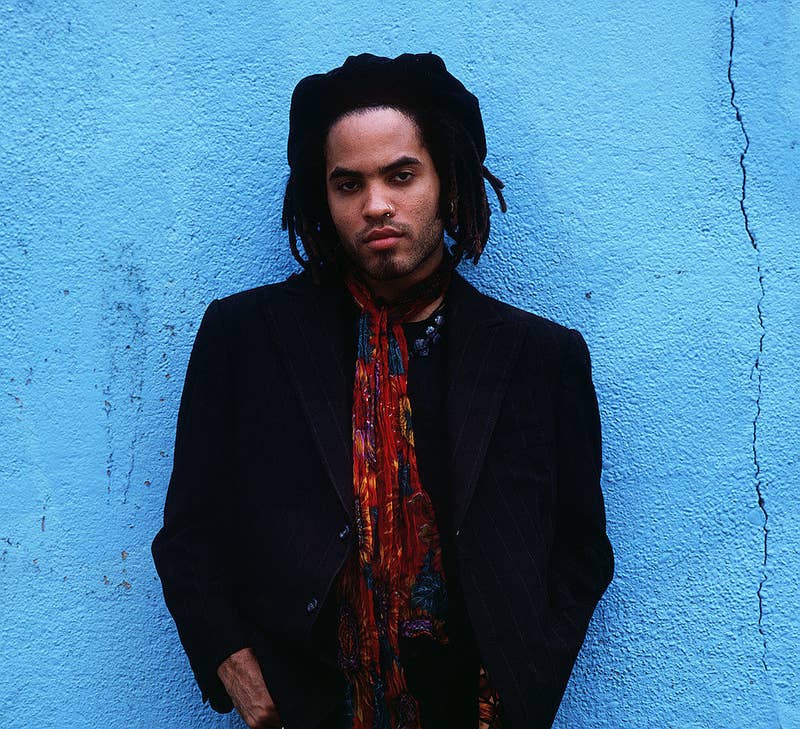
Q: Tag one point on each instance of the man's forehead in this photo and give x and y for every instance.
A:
(375, 117)
(374, 140)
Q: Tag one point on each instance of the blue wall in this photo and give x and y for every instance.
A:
(141, 165)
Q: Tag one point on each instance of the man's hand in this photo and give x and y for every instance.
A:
(242, 678)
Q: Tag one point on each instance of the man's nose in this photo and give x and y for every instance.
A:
(377, 204)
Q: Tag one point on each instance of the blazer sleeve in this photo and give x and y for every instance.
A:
(582, 561)
(191, 551)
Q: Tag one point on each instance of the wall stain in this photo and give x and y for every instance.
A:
(126, 317)
(44, 510)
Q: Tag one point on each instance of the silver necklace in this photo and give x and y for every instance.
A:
(433, 334)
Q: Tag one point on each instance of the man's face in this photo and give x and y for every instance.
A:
(383, 196)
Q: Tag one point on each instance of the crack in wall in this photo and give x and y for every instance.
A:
(757, 363)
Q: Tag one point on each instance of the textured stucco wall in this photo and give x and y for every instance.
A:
(141, 165)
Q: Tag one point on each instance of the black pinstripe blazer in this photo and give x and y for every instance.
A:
(259, 512)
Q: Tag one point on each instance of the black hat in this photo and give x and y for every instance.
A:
(412, 80)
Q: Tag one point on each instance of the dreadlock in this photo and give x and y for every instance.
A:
(463, 205)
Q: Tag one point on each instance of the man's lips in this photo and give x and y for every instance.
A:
(382, 238)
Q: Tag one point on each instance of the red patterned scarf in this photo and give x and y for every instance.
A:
(394, 585)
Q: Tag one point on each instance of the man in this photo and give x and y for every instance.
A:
(385, 507)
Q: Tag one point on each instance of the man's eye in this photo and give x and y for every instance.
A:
(403, 176)
(347, 186)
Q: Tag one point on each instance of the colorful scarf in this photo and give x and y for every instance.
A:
(394, 585)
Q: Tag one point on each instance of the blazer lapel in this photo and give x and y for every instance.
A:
(310, 329)
(482, 350)
(311, 333)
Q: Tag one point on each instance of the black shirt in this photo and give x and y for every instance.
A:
(443, 679)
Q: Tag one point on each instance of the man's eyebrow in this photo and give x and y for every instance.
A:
(338, 172)
(404, 161)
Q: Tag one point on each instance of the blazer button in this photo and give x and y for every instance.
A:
(345, 531)
(312, 605)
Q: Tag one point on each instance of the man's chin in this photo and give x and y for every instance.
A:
(383, 266)
(392, 265)
(386, 273)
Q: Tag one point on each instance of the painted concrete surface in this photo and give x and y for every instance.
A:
(141, 165)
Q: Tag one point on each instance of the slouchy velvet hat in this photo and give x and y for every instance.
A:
(415, 81)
